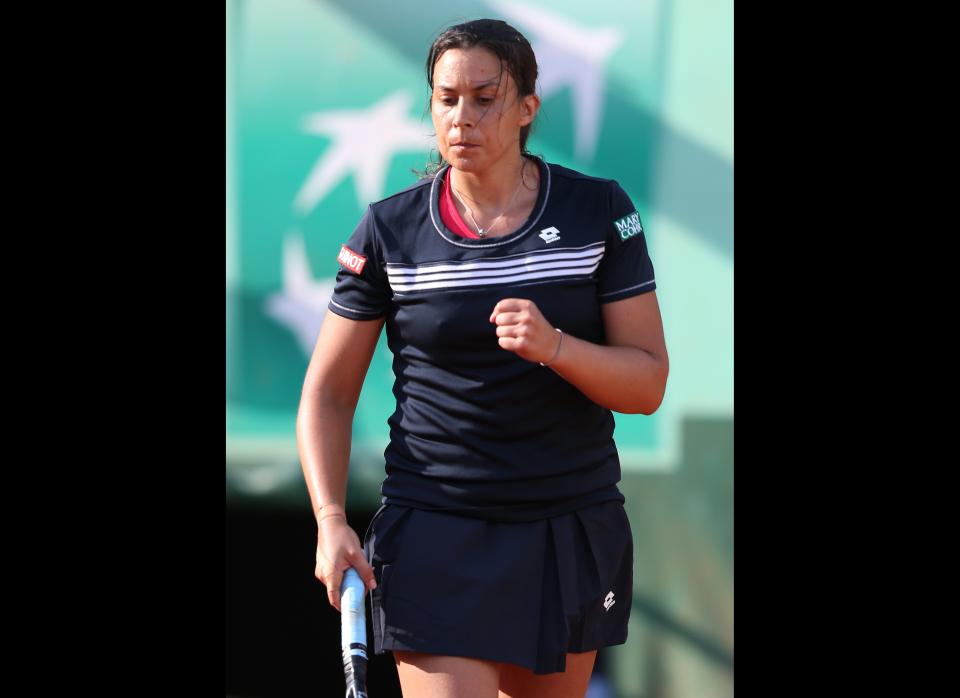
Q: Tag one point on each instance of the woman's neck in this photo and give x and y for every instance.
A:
(492, 190)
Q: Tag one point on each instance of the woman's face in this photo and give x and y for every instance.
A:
(476, 111)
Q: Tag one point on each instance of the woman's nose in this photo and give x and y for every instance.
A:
(463, 115)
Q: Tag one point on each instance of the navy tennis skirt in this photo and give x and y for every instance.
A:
(522, 593)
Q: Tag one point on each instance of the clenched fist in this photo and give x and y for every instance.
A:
(522, 329)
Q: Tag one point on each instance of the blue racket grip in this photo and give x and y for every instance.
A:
(353, 633)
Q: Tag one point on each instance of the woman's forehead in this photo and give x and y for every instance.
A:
(471, 68)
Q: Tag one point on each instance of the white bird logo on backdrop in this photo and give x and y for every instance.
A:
(364, 141)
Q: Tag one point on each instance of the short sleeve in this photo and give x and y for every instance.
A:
(362, 291)
(626, 269)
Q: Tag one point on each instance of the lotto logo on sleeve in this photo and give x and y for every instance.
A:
(629, 225)
(350, 260)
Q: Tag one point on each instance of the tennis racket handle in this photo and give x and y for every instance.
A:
(353, 634)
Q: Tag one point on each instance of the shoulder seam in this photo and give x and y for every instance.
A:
(425, 181)
(561, 171)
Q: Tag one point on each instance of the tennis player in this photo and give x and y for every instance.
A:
(520, 307)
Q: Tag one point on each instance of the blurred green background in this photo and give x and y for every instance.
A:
(326, 110)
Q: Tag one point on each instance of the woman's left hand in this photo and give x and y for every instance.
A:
(522, 329)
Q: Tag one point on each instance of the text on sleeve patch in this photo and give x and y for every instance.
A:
(350, 260)
(629, 225)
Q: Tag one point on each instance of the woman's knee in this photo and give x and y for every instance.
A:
(443, 676)
(520, 682)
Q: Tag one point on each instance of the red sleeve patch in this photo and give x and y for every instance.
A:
(350, 260)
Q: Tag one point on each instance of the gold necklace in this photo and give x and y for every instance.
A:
(481, 231)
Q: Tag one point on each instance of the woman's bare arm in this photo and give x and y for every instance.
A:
(628, 373)
(331, 390)
(329, 399)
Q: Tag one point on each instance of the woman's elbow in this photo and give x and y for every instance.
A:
(646, 407)
(643, 405)
(654, 397)
(652, 407)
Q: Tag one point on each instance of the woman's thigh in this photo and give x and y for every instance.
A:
(520, 682)
(425, 675)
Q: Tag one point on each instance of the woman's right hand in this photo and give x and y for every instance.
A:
(339, 549)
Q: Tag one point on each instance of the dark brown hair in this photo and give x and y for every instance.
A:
(503, 41)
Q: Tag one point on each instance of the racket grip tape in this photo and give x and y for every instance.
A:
(353, 636)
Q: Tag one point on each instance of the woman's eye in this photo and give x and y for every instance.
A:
(485, 100)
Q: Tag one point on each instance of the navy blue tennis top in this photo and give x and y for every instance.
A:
(478, 430)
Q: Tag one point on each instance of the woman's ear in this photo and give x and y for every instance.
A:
(529, 107)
